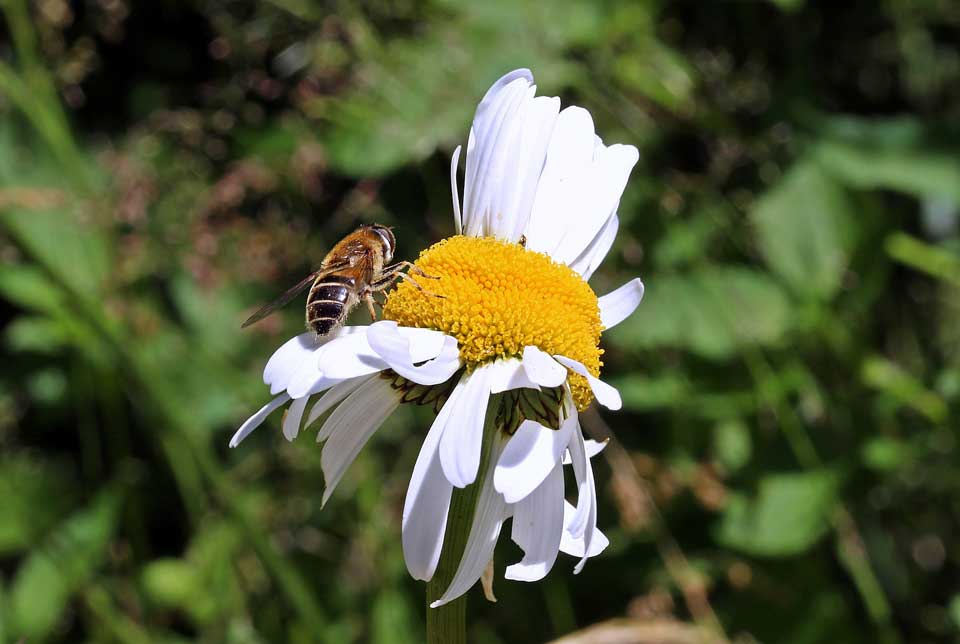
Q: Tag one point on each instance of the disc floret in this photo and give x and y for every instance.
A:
(497, 298)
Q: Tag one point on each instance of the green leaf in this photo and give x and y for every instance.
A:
(732, 444)
(76, 253)
(713, 312)
(419, 93)
(789, 514)
(954, 610)
(34, 495)
(203, 584)
(30, 288)
(805, 228)
(789, 5)
(45, 582)
(893, 154)
(885, 454)
(37, 334)
(171, 582)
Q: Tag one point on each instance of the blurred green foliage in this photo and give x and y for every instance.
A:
(788, 470)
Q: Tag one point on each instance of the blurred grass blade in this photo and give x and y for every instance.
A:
(924, 257)
(885, 376)
(60, 565)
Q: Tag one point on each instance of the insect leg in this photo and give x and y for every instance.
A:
(368, 298)
(387, 281)
(413, 268)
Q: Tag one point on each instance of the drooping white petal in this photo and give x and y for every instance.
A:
(286, 360)
(492, 151)
(542, 369)
(455, 191)
(257, 419)
(575, 546)
(583, 522)
(291, 420)
(592, 448)
(616, 306)
(428, 498)
(508, 373)
(488, 518)
(530, 455)
(462, 440)
(607, 395)
(401, 348)
(592, 256)
(351, 426)
(538, 528)
(333, 396)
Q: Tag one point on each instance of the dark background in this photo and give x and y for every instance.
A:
(786, 467)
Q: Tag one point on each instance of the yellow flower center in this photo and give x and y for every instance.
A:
(497, 299)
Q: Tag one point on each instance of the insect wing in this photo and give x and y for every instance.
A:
(282, 300)
(291, 293)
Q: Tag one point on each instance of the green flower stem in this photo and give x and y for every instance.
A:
(447, 624)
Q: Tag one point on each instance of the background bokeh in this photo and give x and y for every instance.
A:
(785, 467)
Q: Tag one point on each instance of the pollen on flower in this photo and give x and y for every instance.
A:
(497, 299)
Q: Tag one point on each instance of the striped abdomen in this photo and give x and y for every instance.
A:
(329, 302)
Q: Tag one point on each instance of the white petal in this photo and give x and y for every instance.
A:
(255, 421)
(506, 374)
(291, 420)
(348, 357)
(606, 395)
(592, 448)
(428, 499)
(595, 199)
(583, 522)
(488, 517)
(290, 359)
(592, 256)
(351, 426)
(461, 442)
(542, 369)
(538, 528)
(524, 154)
(530, 455)
(616, 306)
(576, 545)
(333, 396)
(569, 153)
(401, 348)
(308, 377)
(493, 136)
(454, 164)
(286, 360)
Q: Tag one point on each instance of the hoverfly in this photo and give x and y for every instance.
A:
(356, 268)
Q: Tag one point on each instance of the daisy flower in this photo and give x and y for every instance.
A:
(513, 345)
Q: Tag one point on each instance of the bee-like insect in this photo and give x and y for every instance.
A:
(356, 268)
